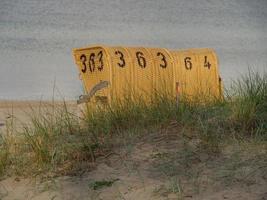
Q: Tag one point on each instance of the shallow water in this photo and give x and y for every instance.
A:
(36, 37)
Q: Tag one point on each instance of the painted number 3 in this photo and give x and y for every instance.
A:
(163, 59)
(122, 61)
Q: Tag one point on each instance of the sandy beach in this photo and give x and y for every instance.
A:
(166, 150)
(133, 169)
(19, 112)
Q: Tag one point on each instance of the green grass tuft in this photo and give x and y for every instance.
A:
(57, 141)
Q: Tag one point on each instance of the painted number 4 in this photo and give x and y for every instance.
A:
(206, 62)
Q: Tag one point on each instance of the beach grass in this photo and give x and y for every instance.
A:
(58, 142)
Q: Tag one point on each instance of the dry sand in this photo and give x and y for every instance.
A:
(135, 168)
(16, 113)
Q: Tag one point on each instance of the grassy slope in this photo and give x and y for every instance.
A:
(57, 143)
